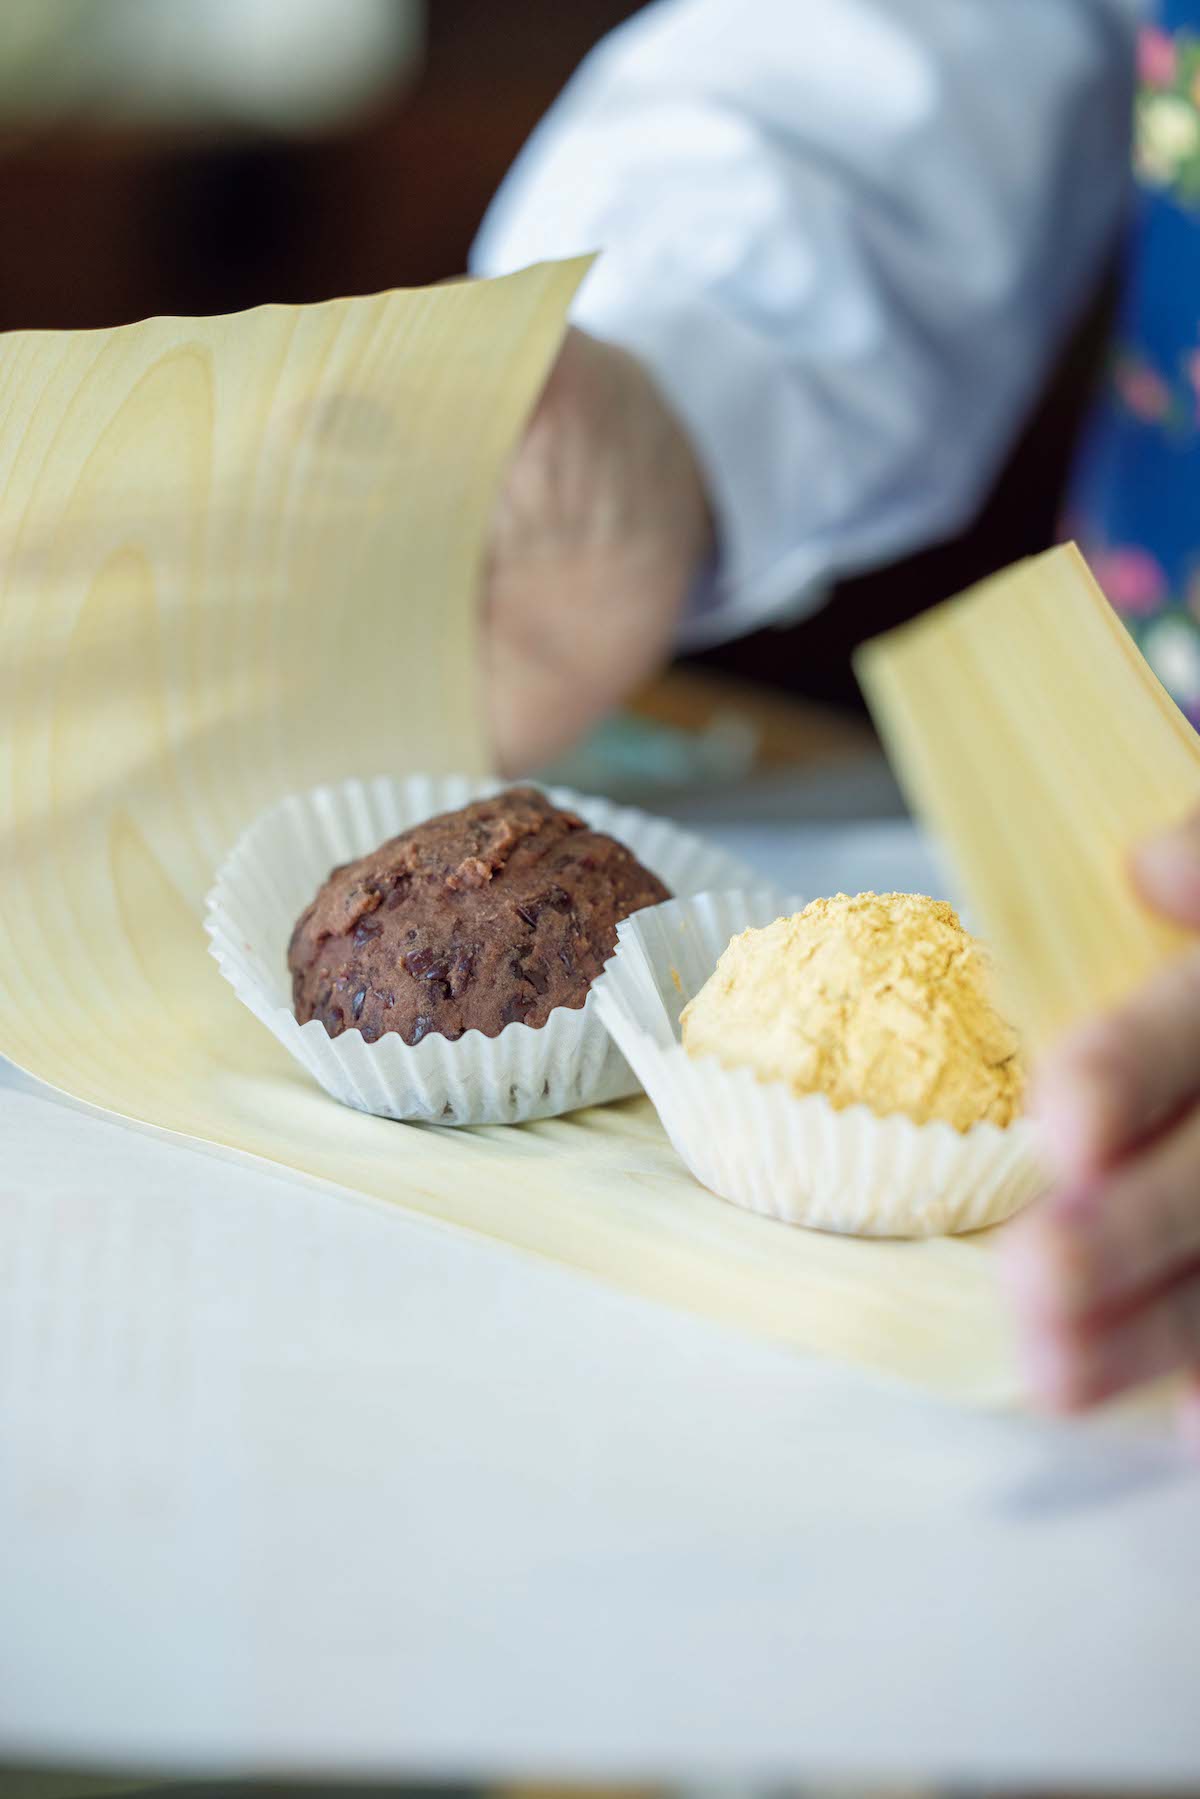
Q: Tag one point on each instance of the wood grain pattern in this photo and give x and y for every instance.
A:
(1031, 735)
(240, 556)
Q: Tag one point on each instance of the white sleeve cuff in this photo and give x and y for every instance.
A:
(761, 574)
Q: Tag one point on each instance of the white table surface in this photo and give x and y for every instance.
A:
(289, 1481)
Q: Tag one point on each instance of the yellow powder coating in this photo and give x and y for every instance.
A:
(883, 999)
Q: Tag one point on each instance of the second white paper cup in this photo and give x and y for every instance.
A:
(277, 866)
(763, 1147)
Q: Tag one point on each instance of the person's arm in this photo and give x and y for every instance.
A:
(844, 238)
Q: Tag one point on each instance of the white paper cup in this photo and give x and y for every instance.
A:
(762, 1146)
(277, 866)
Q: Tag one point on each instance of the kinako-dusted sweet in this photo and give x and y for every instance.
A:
(474, 920)
(882, 999)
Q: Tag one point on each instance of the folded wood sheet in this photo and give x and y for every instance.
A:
(240, 556)
(1035, 741)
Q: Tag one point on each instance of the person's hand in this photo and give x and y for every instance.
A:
(1105, 1274)
(601, 528)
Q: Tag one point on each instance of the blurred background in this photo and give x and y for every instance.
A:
(195, 156)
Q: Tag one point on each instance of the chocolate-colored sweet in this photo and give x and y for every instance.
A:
(469, 922)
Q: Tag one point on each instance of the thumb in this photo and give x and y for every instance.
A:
(1166, 872)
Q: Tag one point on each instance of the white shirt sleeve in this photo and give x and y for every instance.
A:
(846, 236)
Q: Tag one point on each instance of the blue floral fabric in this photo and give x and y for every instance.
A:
(1136, 502)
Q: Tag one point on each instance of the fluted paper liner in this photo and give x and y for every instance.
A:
(284, 856)
(758, 1144)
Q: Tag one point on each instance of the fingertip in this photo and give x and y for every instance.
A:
(1074, 1109)
(1044, 1264)
(1019, 1256)
(1166, 872)
(1188, 1418)
(1053, 1374)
